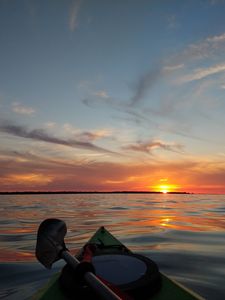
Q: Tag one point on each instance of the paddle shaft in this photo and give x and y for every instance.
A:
(96, 284)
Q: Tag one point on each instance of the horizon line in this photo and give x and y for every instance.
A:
(92, 192)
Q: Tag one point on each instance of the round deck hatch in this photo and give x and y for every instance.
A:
(119, 269)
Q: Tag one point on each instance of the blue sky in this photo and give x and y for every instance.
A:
(123, 93)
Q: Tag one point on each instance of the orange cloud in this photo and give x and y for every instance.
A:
(148, 146)
(31, 179)
(88, 175)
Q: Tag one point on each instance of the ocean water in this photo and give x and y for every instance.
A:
(183, 234)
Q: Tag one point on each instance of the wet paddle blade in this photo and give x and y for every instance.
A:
(50, 241)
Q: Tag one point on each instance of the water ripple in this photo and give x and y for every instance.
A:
(184, 234)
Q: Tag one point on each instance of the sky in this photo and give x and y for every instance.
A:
(112, 95)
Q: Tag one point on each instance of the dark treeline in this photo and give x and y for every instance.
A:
(86, 192)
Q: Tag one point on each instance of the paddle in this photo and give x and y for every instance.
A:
(51, 247)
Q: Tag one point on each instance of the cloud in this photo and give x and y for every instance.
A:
(88, 136)
(50, 125)
(144, 83)
(203, 72)
(100, 101)
(173, 67)
(191, 175)
(101, 94)
(172, 105)
(93, 136)
(216, 38)
(145, 116)
(22, 109)
(201, 50)
(73, 14)
(42, 135)
(31, 179)
(149, 146)
(84, 84)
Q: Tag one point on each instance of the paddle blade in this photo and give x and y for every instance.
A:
(50, 241)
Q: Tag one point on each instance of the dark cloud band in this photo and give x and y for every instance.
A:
(42, 135)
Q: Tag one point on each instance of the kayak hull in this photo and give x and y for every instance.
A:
(169, 289)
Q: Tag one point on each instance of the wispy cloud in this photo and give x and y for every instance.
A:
(203, 72)
(193, 175)
(93, 136)
(145, 116)
(173, 105)
(42, 135)
(73, 14)
(101, 101)
(173, 67)
(88, 136)
(31, 179)
(216, 39)
(200, 50)
(22, 109)
(50, 125)
(144, 83)
(102, 94)
(149, 146)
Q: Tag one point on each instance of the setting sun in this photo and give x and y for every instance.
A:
(165, 188)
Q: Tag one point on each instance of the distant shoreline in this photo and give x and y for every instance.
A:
(88, 192)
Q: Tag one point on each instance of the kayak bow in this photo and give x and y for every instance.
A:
(135, 276)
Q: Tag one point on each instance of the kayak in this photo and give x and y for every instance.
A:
(135, 275)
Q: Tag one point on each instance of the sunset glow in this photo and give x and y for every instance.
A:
(165, 188)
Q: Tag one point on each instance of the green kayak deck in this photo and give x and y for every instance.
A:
(170, 289)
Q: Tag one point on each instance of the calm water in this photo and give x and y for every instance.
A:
(184, 234)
